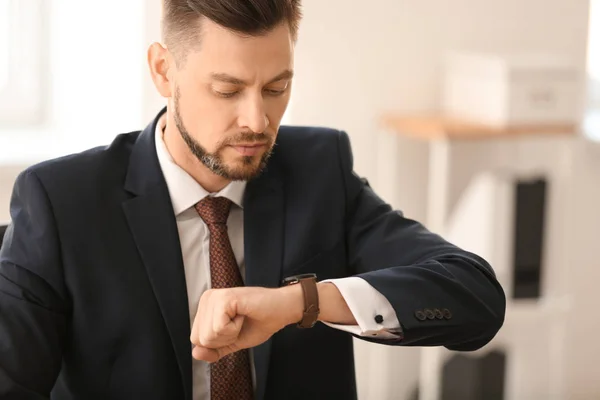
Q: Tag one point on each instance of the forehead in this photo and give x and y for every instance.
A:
(246, 57)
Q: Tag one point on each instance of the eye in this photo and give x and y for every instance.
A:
(226, 95)
(273, 92)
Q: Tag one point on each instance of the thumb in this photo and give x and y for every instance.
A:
(213, 355)
(205, 354)
(227, 327)
(238, 322)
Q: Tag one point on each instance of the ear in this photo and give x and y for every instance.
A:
(161, 69)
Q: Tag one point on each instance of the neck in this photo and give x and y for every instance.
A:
(184, 158)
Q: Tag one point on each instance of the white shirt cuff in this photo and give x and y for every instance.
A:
(374, 314)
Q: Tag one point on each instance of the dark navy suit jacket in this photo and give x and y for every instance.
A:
(93, 301)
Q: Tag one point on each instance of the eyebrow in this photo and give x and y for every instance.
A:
(285, 75)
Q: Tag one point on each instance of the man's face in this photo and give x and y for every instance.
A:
(229, 97)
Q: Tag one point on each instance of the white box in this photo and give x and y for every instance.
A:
(503, 90)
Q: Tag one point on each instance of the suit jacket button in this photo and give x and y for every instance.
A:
(447, 313)
(429, 314)
(420, 315)
(438, 313)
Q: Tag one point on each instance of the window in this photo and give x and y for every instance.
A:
(592, 120)
(79, 79)
(4, 44)
(23, 65)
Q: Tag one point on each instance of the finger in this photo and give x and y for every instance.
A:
(216, 326)
(213, 355)
(223, 336)
(203, 314)
(230, 334)
(238, 322)
(207, 333)
(205, 354)
(226, 350)
(226, 326)
(195, 334)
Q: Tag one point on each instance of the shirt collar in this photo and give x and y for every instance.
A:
(185, 192)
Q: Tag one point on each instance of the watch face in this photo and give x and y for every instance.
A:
(297, 278)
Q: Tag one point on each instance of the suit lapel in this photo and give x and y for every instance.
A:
(154, 229)
(263, 250)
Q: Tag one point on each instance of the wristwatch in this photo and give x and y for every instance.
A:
(311, 297)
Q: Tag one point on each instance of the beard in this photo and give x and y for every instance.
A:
(247, 169)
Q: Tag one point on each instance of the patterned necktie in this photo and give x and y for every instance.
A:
(231, 377)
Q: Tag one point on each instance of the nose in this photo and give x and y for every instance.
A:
(253, 116)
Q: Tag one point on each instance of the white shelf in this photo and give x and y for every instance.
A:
(479, 215)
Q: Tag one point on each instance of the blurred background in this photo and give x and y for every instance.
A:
(479, 118)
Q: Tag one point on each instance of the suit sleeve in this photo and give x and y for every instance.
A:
(442, 295)
(33, 306)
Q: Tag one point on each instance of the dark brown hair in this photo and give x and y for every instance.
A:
(181, 18)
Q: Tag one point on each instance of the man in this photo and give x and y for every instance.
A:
(173, 263)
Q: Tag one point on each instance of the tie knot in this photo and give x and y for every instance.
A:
(214, 210)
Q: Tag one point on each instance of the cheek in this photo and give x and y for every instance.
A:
(276, 109)
(209, 120)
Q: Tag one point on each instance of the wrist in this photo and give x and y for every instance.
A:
(333, 306)
(292, 303)
(325, 293)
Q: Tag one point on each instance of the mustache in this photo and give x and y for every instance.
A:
(247, 137)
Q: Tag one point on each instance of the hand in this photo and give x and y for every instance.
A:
(229, 320)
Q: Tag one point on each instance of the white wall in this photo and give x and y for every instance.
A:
(354, 61)
(8, 175)
(584, 270)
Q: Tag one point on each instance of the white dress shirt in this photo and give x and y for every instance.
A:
(364, 301)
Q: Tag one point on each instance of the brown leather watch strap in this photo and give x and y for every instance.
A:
(311, 302)
(308, 282)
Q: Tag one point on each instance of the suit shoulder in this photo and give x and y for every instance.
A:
(96, 164)
(310, 150)
(306, 134)
(305, 140)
